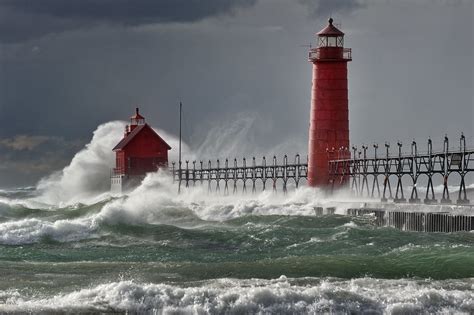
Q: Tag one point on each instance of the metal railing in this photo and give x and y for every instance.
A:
(239, 175)
(409, 169)
(325, 54)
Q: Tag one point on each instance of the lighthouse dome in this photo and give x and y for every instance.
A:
(330, 30)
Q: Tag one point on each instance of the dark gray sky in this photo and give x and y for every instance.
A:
(68, 66)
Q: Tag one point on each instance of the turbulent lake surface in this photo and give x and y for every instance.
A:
(156, 252)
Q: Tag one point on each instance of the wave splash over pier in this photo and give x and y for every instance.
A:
(69, 245)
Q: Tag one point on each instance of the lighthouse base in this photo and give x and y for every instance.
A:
(124, 183)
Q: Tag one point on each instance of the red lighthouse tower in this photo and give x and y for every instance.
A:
(329, 117)
(140, 151)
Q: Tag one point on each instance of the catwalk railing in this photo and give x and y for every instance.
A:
(391, 176)
(241, 176)
(449, 167)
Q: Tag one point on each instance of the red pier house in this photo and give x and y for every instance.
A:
(140, 151)
(329, 117)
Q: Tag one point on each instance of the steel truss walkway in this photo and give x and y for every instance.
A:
(446, 166)
(240, 176)
(383, 177)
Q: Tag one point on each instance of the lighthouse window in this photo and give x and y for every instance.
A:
(332, 41)
(322, 41)
(340, 41)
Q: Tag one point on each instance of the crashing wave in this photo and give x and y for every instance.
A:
(282, 296)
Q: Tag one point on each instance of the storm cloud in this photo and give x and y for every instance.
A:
(49, 152)
(25, 19)
(326, 8)
(23, 142)
(240, 69)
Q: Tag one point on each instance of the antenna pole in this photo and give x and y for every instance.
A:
(179, 150)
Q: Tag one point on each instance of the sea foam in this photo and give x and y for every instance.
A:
(282, 296)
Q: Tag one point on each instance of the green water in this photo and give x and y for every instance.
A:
(69, 255)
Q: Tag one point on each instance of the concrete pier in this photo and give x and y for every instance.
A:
(419, 221)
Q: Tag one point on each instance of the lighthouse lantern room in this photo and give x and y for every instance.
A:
(140, 151)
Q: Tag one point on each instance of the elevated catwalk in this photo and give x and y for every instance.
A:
(448, 168)
(240, 176)
(387, 177)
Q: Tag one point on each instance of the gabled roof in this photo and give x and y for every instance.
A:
(125, 141)
(330, 30)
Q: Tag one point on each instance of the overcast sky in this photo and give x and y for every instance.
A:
(68, 66)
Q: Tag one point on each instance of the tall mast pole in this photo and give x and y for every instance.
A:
(179, 153)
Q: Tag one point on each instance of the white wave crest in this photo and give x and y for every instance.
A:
(30, 231)
(282, 296)
(157, 201)
(88, 173)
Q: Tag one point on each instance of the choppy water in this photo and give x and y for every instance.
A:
(68, 246)
(154, 251)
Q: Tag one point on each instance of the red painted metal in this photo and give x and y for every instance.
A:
(330, 30)
(329, 116)
(141, 150)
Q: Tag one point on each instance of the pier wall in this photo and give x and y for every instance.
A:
(418, 221)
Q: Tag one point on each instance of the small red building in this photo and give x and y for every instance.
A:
(140, 151)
